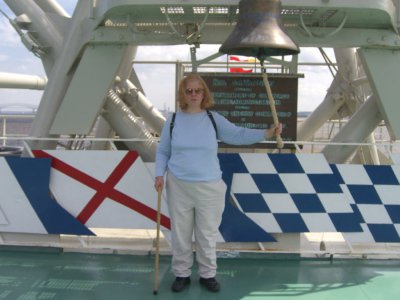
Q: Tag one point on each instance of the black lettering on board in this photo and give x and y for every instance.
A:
(243, 100)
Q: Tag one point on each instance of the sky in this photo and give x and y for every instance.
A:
(158, 80)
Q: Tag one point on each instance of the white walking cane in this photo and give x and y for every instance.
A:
(155, 291)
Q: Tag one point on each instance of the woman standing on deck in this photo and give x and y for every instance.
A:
(187, 152)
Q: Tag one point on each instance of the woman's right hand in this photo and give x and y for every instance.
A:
(275, 130)
(159, 183)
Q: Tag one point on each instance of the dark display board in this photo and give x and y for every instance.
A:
(243, 100)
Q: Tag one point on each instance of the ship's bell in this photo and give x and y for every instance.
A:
(259, 32)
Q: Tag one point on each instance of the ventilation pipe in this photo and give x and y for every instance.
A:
(141, 106)
(128, 126)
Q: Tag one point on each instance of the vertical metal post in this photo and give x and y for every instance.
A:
(93, 4)
(193, 59)
(179, 73)
(28, 149)
(4, 129)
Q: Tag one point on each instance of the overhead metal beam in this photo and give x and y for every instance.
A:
(348, 38)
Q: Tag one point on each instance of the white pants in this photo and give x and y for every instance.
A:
(194, 207)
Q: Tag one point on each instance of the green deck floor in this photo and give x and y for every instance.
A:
(57, 275)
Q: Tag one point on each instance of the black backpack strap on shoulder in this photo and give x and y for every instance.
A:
(212, 121)
(171, 125)
(209, 114)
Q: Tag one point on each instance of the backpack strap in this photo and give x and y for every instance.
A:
(213, 122)
(209, 114)
(171, 125)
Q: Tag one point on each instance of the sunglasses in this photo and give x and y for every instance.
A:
(195, 91)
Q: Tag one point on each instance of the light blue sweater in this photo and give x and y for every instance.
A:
(191, 154)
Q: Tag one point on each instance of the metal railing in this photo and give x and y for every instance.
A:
(15, 137)
(9, 128)
(390, 149)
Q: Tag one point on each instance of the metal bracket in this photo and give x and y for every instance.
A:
(332, 33)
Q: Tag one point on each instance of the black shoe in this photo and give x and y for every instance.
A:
(180, 283)
(210, 283)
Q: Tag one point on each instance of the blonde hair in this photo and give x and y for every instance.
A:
(207, 101)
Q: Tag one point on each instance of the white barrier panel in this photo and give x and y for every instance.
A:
(105, 189)
(267, 193)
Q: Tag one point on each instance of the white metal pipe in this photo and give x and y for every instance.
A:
(349, 71)
(359, 127)
(103, 128)
(125, 66)
(346, 62)
(52, 6)
(339, 92)
(325, 110)
(127, 126)
(359, 81)
(20, 81)
(141, 106)
(45, 30)
(373, 150)
(60, 79)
